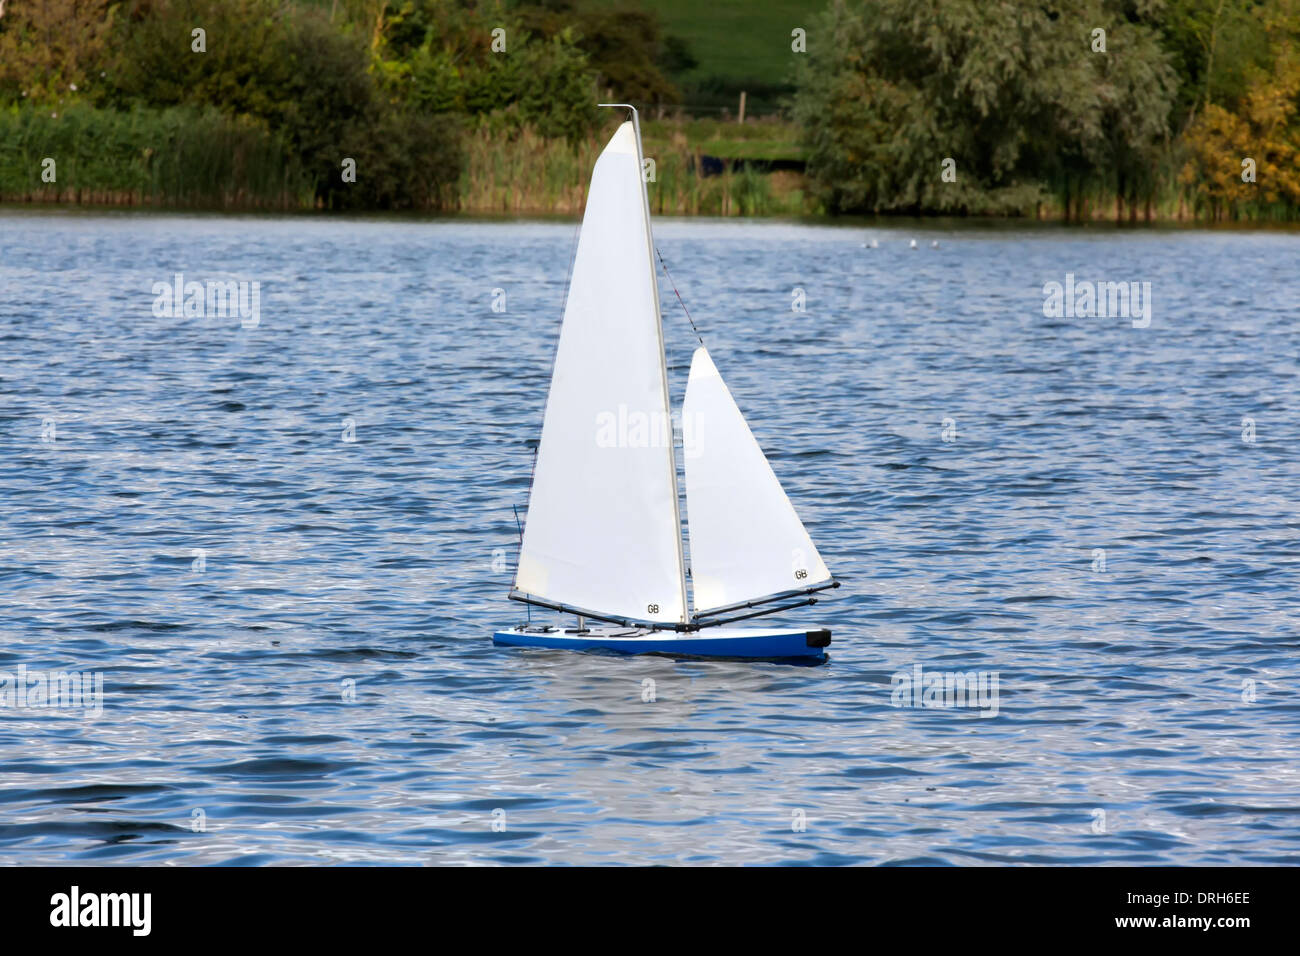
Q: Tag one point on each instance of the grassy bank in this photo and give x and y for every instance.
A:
(762, 139)
(179, 157)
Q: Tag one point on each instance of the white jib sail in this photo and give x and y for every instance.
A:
(746, 540)
(603, 530)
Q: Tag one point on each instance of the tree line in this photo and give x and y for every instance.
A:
(1125, 104)
(1130, 108)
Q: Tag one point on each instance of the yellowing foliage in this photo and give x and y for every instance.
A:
(1264, 129)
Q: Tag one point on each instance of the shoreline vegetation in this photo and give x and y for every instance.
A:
(1178, 111)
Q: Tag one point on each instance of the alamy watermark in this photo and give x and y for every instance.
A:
(179, 299)
(74, 908)
(52, 690)
(1098, 300)
(627, 428)
(917, 688)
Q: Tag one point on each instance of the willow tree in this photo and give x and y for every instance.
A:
(1025, 100)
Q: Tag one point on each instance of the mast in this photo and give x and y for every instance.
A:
(663, 354)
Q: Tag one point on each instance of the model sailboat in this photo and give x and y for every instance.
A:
(603, 537)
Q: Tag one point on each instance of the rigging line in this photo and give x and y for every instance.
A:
(532, 473)
(521, 555)
(679, 295)
(686, 574)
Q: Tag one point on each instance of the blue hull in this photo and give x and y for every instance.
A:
(730, 643)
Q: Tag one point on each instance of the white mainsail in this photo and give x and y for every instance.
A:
(746, 540)
(603, 531)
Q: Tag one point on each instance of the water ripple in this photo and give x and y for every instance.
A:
(293, 628)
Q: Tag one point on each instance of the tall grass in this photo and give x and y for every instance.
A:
(528, 174)
(524, 173)
(172, 157)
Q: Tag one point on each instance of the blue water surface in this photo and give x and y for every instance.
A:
(284, 547)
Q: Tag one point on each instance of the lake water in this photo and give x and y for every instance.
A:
(284, 548)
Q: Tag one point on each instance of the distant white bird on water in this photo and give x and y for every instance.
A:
(873, 244)
(913, 245)
(935, 244)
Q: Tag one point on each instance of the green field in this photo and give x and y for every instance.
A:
(767, 138)
(740, 45)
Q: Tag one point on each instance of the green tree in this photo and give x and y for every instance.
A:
(1262, 130)
(439, 57)
(295, 72)
(624, 43)
(50, 49)
(1214, 45)
(1014, 94)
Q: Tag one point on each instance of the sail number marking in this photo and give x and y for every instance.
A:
(652, 608)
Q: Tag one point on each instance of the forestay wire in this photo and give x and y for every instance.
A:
(679, 295)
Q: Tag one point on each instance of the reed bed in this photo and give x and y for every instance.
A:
(175, 157)
(524, 173)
